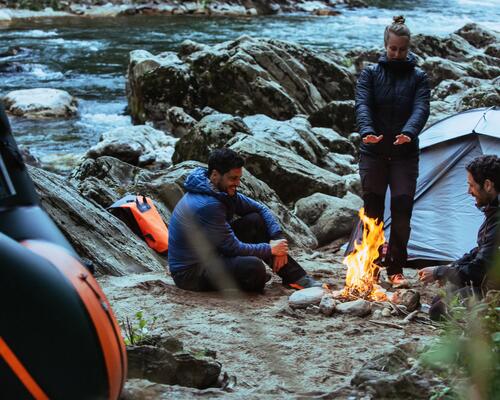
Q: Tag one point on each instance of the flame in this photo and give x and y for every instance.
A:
(362, 272)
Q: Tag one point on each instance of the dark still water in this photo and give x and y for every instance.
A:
(88, 57)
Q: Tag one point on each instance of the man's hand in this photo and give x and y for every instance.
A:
(279, 262)
(426, 275)
(372, 139)
(402, 139)
(279, 247)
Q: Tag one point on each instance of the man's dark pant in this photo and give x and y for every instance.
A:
(246, 273)
(377, 173)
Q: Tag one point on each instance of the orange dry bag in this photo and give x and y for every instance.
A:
(142, 217)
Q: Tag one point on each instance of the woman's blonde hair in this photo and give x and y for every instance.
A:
(397, 27)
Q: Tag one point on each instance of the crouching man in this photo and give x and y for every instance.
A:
(477, 270)
(208, 249)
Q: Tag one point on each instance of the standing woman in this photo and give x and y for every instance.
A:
(392, 107)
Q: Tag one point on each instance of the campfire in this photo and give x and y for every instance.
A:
(362, 272)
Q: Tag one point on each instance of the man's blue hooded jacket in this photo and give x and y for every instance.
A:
(205, 210)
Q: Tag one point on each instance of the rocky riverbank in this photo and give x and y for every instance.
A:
(290, 111)
(10, 10)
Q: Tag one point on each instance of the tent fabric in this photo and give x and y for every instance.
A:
(445, 220)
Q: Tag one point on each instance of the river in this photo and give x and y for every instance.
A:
(88, 57)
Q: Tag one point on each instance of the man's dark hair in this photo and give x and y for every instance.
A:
(485, 167)
(223, 160)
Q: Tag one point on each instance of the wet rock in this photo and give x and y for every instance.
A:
(483, 96)
(358, 308)
(291, 176)
(212, 132)
(407, 297)
(94, 233)
(295, 134)
(179, 122)
(306, 297)
(386, 312)
(246, 76)
(493, 50)
(478, 36)
(159, 365)
(334, 142)
(138, 145)
(40, 103)
(329, 217)
(327, 305)
(337, 114)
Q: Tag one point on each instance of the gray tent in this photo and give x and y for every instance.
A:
(445, 219)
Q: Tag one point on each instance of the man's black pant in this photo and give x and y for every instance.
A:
(377, 173)
(245, 273)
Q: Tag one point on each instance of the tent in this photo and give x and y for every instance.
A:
(445, 220)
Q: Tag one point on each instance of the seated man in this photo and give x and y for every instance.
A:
(474, 271)
(207, 250)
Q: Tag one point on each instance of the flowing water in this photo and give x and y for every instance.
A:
(88, 57)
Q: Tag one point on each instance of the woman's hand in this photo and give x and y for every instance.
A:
(402, 139)
(372, 139)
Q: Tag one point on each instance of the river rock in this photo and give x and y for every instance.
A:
(341, 164)
(245, 76)
(483, 96)
(40, 103)
(334, 142)
(212, 132)
(94, 233)
(178, 122)
(160, 365)
(137, 145)
(329, 217)
(337, 114)
(407, 297)
(327, 305)
(306, 297)
(291, 176)
(478, 36)
(358, 308)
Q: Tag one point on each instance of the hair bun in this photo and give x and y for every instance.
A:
(399, 19)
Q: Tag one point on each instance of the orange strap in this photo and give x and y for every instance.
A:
(151, 225)
(24, 376)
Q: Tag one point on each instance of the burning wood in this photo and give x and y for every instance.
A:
(362, 272)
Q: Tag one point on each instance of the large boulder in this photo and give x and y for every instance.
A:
(94, 233)
(338, 114)
(242, 77)
(290, 175)
(212, 132)
(40, 103)
(478, 36)
(107, 179)
(137, 145)
(329, 217)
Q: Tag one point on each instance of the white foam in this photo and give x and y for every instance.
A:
(36, 33)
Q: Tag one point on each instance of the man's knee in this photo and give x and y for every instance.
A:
(252, 273)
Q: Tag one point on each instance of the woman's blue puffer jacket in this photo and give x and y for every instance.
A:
(392, 97)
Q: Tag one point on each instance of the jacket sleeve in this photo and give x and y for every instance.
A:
(473, 266)
(364, 100)
(246, 205)
(220, 234)
(421, 108)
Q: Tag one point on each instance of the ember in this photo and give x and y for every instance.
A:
(362, 272)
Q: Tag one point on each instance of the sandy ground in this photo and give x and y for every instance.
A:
(272, 351)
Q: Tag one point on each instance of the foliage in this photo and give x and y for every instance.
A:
(467, 353)
(138, 332)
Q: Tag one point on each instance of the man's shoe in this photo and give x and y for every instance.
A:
(303, 283)
(398, 281)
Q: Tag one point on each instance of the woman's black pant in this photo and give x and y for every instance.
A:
(400, 175)
(245, 273)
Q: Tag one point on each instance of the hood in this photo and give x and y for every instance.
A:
(198, 182)
(397, 65)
